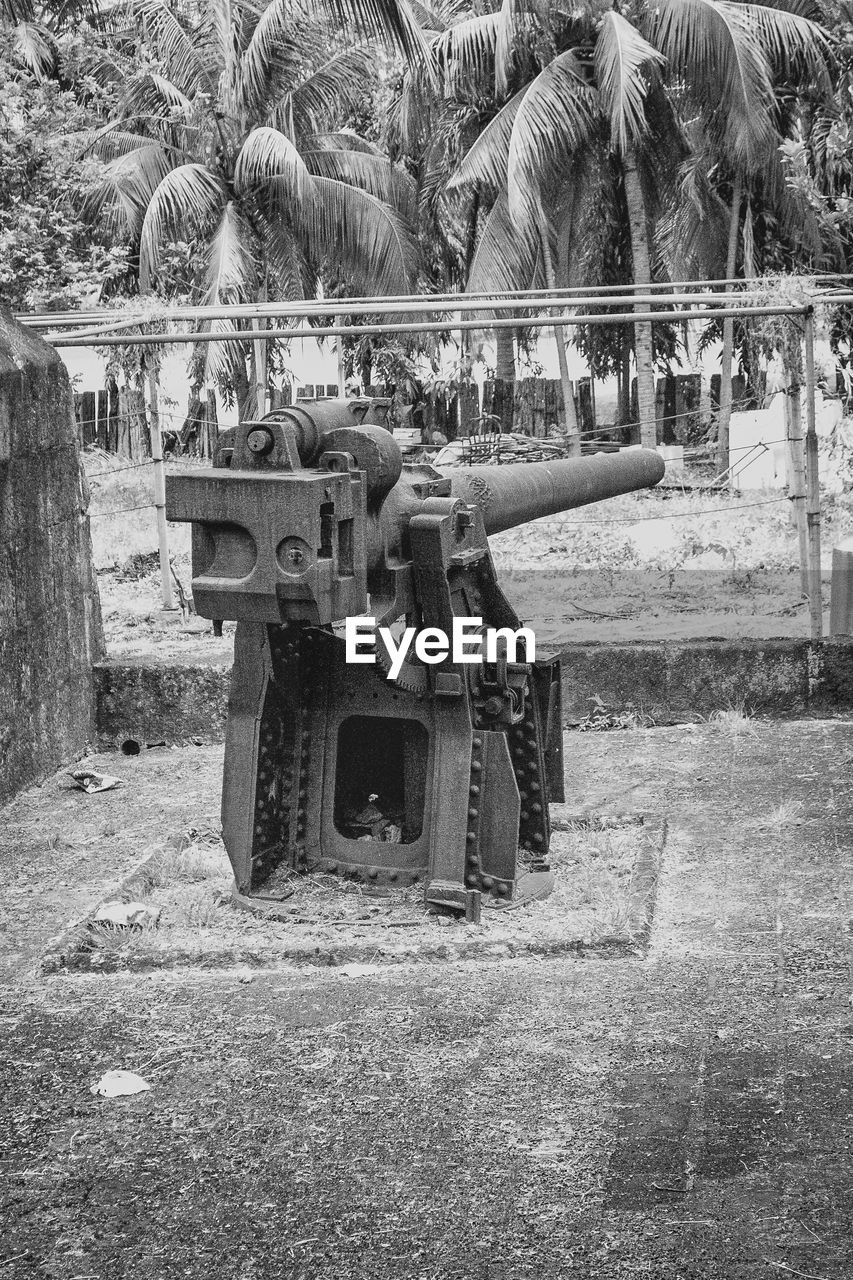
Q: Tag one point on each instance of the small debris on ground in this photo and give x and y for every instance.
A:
(127, 915)
(91, 782)
(119, 1084)
(358, 970)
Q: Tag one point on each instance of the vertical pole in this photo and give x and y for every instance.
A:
(260, 351)
(797, 476)
(339, 352)
(812, 487)
(159, 492)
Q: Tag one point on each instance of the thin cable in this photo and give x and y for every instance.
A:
(675, 515)
(120, 511)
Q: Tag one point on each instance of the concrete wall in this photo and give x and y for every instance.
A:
(667, 682)
(50, 618)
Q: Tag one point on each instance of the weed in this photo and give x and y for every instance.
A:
(600, 719)
(735, 720)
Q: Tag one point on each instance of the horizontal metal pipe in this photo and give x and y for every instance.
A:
(426, 308)
(333, 331)
(342, 305)
(511, 495)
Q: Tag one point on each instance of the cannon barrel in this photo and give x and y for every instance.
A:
(513, 494)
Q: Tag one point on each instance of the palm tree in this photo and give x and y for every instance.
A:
(561, 83)
(230, 138)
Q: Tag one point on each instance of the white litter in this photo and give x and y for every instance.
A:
(127, 915)
(91, 782)
(358, 970)
(119, 1084)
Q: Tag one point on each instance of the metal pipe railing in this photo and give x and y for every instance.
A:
(529, 322)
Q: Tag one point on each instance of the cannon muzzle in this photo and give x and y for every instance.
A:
(511, 495)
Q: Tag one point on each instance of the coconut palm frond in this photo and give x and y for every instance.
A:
(333, 90)
(359, 233)
(34, 46)
(342, 139)
(14, 11)
(268, 155)
(485, 163)
(408, 122)
(795, 46)
(466, 51)
(117, 202)
(180, 54)
(393, 20)
(691, 236)
(153, 94)
(283, 257)
(556, 118)
(519, 21)
(623, 62)
(112, 142)
(717, 52)
(221, 362)
(187, 199)
(231, 271)
(371, 173)
(502, 260)
(272, 45)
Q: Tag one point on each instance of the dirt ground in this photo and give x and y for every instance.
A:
(683, 1115)
(664, 564)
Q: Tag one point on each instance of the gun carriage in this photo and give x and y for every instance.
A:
(441, 775)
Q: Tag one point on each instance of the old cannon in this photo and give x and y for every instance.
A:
(423, 769)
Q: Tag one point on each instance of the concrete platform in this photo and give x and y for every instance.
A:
(688, 1116)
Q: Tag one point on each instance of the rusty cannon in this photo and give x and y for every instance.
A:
(436, 766)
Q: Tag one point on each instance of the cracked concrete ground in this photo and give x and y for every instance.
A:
(686, 1115)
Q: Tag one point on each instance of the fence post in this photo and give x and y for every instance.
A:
(159, 492)
(812, 487)
(797, 475)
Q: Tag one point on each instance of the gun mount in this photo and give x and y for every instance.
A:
(441, 774)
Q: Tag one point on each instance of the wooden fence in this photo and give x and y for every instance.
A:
(115, 419)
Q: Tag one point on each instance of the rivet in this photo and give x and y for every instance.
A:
(476, 766)
(393, 875)
(536, 808)
(524, 815)
(473, 813)
(474, 790)
(471, 837)
(487, 882)
(537, 838)
(477, 743)
(529, 726)
(522, 795)
(534, 787)
(373, 874)
(527, 845)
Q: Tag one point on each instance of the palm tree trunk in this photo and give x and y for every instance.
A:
(571, 430)
(504, 355)
(643, 350)
(725, 410)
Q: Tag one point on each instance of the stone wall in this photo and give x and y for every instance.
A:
(50, 618)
